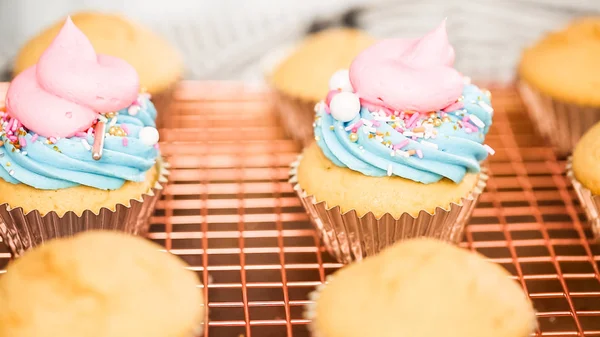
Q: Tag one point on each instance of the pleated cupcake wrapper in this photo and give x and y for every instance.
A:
(22, 231)
(297, 117)
(561, 124)
(350, 237)
(589, 201)
(162, 102)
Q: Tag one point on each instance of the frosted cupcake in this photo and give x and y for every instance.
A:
(398, 152)
(422, 288)
(78, 147)
(582, 169)
(559, 83)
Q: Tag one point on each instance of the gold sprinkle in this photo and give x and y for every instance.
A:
(371, 136)
(55, 148)
(1, 143)
(446, 119)
(455, 128)
(110, 115)
(331, 127)
(353, 137)
(116, 131)
(7, 163)
(387, 133)
(432, 114)
(437, 122)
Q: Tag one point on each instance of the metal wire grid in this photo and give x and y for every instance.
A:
(231, 215)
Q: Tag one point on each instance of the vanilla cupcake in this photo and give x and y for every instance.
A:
(301, 79)
(78, 147)
(398, 152)
(422, 288)
(157, 62)
(100, 284)
(559, 83)
(582, 169)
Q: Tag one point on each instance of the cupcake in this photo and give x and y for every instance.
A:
(78, 147)
(582, 170)
(422, 288)
(157, 63)
(398, 152)
(100, 284)
(559, 83)
(302, 79)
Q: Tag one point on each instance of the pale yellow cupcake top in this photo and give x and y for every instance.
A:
(99, 284)
(586, 159)
(158, 64)
(76, 199)
(423, 288)
(305, 73)
(349, 189)
(564, 65)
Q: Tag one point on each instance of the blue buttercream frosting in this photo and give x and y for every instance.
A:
(66, 162)
(432, 146)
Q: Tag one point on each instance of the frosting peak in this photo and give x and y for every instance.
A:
(408, 74)
(70, 86)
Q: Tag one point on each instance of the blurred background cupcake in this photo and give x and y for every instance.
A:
(156, 61)
(421, 288)
(78, 147)
(392, 163)
(100, 284)
(301, 79)
(559, 82)
(582, 169)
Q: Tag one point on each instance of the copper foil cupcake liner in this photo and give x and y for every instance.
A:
(22, 231)
(561, 124)
(297, 117)
(350, 237)
(589, 201)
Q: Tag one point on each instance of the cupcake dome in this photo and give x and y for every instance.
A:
(586, 160)
(564, 64)
(158, 64)
(422, 288)
(305, 73)
(100, 284)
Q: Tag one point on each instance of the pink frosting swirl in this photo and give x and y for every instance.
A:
(408, 74)
(70, 85)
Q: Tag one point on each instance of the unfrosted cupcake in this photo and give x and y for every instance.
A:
(559, 83)
(157, 62)
(100, 284)
(398, 152)
(422, 288)
(302, 78)
(78, 147)
(582, 169)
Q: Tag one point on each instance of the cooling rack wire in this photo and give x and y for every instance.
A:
(229, 212)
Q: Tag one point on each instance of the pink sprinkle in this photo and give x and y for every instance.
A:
(156, 146)
(466, 118)
(327, 110)
(81, 134)
(13, 138)
(399, 129)
(15, 125)
(454, 106)
(419, 153)
(376, 123)
(10, 124)
(330, 95)
(358, 124)
(125, 141)
(414, 137)
(52, 140)
(470, 126)
(443, 114)
(23, 141)
(387, 111)
(401, 144)
(402, 115)
(412, 120)
(125, 128)
(9, 132)
(34, 137)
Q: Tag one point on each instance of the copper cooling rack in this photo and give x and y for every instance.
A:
(231, 215)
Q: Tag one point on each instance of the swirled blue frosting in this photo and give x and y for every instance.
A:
(376, 144)
(68, 162)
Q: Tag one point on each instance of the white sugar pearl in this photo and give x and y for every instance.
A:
(340, 80)
(344, 106)
(149, 135)
(133, 110)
